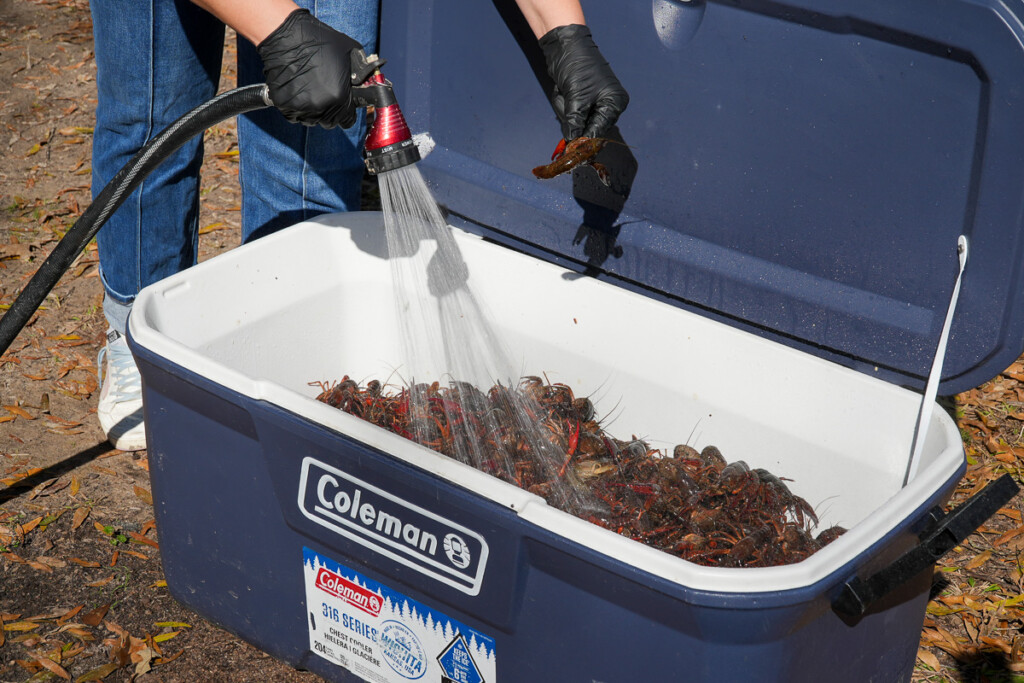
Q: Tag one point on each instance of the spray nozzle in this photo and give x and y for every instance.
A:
(389, 144)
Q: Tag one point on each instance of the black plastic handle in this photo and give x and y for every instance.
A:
(949, 531)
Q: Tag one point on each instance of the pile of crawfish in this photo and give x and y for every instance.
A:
(540, 437)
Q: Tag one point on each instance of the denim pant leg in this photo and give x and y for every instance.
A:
(156, 60)
(290, 172)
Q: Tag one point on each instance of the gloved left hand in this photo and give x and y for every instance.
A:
(588, 97)
(308, 69)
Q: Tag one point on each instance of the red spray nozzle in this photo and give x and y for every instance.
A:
(389, 144)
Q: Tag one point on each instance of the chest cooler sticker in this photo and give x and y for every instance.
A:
(391, 526)
(383, 636)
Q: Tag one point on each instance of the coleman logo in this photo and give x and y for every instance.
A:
(406, 533)
(352, 593)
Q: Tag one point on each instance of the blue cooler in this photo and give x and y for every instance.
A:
(769, 271)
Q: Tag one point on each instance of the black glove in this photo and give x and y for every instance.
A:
(308, 68)
(588, 97)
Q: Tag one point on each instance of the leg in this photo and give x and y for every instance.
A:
(289, 172)
(156, 60)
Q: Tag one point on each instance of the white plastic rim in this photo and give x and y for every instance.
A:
(312, 302)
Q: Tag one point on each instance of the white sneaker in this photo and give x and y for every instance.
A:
(120, 408)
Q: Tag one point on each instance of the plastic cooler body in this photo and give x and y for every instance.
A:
(276, 511)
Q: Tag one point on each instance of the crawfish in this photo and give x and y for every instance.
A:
(579, 152)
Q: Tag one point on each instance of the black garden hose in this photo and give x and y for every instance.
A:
(224, 106)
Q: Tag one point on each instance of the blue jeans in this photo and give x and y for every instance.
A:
(158, 59)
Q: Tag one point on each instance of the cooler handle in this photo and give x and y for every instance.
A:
(948, 532)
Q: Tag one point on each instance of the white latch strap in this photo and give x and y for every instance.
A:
(932, 388)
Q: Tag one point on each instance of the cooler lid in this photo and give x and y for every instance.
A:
(798, 168)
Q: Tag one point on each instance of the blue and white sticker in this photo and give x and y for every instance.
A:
(383, 636)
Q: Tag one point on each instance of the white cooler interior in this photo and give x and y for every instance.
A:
(313, 302)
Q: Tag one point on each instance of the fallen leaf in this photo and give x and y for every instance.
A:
(84, 563)
(159, 584)
(38, 490)
(1008, 536)
(3, 636)
(164, 660)
(21, 626)
(142, 539)
(20, 412)
(144, 495)
(53, 667)
(212, 227)
(1010, 512)
(100, 583)
(144, 660)
(136, 554)
(979, 560)
(76, 484)
(39, 566)
(163, 637)
(52, 562)
(94, 617)
(929, 659)
(27, 665)
(171, 624)
(99, 673)
(67, 616)
(29, 526)
(77, 631)
(938, 610)
(80, 516)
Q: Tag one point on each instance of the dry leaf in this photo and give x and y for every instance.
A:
(979, 560)
(84, 563)
(29, 666)
(144, 495)
(21, 626)
(142, 539)
(20, 412)
(80, 515)
(94, 617)
(99, 673)
(67, 616)
(29, 526)
(52, 562)
(212, 227)
(100, 583)
(3, 635)
(930, 659)
(76, 484)
(39, 566)
(53, 667)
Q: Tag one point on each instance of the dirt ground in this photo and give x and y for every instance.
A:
(82, 596)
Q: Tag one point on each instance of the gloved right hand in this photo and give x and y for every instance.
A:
(307, 65)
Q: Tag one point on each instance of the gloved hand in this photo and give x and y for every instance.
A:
(308, 68)
(588, 97)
